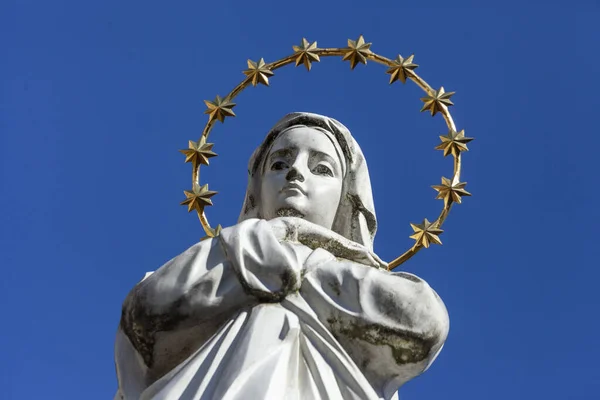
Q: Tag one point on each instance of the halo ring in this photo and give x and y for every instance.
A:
(357, 52)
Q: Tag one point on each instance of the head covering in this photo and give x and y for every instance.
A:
(355, 218)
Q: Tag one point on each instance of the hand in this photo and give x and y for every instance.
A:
(284, 228)
(314, 236)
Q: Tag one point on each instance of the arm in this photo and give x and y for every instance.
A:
(393, 325)
(317, 237)
(179, 307)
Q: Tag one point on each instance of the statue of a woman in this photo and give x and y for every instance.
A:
(290, 303)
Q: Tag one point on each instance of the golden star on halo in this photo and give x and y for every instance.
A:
(219, 108)
(437, 100)
(259, 72)
(198, 152)
(401, 68)
(306, 53)
(451, 191)
(426, 233)
(198, 198)
(357, 51)
(453, 143)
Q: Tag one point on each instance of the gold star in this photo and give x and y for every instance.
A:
(259, 72)
(437, 100)
(198, 153)
(219, 108)
(357, 51)
(198, 198)
(451, 191)
(454, 143)
(426, 233)
(212, 233)
(401, 68)
(306, 54)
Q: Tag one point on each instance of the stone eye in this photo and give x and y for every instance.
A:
(278, 165)
(323, 170)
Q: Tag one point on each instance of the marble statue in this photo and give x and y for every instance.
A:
(290, 303)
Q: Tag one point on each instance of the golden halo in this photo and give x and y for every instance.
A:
(358, 52)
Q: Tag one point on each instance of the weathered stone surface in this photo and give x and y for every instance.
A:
(290, 303)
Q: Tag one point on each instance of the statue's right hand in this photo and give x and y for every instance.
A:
(284, 228)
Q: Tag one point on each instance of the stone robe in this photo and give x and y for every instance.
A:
(248, 316)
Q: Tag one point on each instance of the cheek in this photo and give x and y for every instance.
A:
(327, 190)
(270, 185)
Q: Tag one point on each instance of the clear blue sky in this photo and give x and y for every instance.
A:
(97, 97)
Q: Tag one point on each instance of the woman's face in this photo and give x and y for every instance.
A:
(302, 177)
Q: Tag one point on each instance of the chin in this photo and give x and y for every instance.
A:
(297, 203)
(292, 206)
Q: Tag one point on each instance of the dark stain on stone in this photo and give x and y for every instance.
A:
(141, 325)
(289, 284)
(364, 364)
(358, 206)
(335, 286)
(406, 347)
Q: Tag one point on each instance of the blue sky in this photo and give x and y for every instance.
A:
(97, 97)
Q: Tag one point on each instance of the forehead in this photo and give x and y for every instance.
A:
(304, 138)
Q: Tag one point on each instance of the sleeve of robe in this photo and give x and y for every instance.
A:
(393, 325)
(176, 309)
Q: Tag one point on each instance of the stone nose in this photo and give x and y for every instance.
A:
(294, 174)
